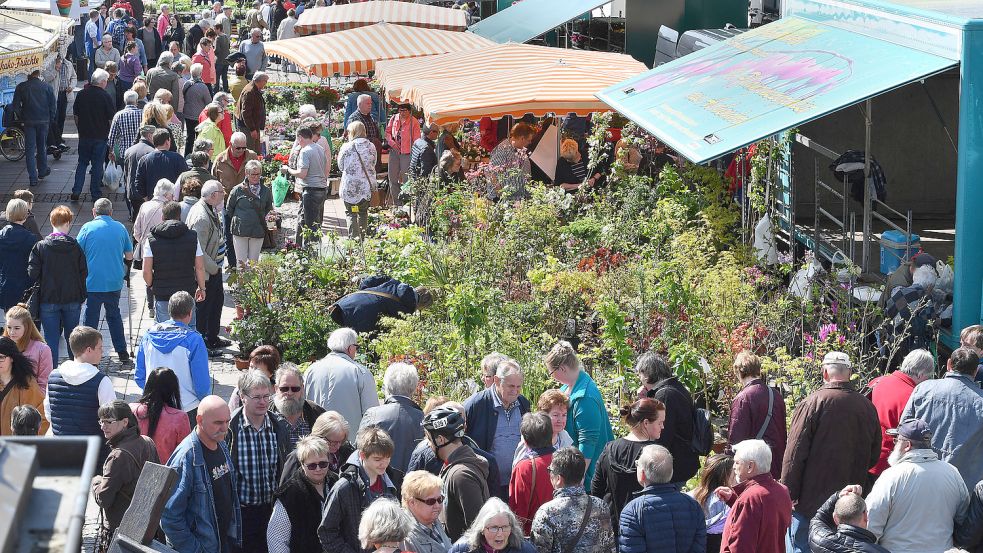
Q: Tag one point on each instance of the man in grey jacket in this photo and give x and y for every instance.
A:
(163, 77)
(205, 218)
(952, 407)
(915, 503)
(399, 416)
(196, 96)
(339, 383)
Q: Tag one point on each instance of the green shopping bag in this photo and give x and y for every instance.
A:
(280, 188)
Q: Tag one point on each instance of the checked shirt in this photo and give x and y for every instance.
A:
(255, 456)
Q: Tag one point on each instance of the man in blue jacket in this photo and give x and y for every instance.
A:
(176, 345)
(34, 102)
(378, 296)
(203, 511)
(661, 519)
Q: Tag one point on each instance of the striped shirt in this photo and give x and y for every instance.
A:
(255, 457)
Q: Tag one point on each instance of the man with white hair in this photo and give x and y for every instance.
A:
(255, 52)
(94, 109)
(298, 413)
(163, 77)
(915, 502)
(660, 517)
(952, 406)
(760, 507)
(124, 130)
(495, 414)
(339, 383)
(251, 110)
(364, 114)
(162, 164)
(835, 438)
(399, 415)
(890, 395)
(205, 218)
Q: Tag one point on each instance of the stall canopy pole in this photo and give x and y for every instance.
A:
(865, 259)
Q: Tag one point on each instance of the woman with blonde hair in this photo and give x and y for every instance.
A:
(156, 114)
(496, 529)
(209, 129)
(21, 329)
(16, 242)
(423, 499)
(571, 172)
(357, 159)
(140, 87)
(58, 265)
(299, 500)
(587, 419)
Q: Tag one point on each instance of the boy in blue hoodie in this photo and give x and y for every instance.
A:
(176, 345)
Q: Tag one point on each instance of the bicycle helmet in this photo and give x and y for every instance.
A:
(444, 421)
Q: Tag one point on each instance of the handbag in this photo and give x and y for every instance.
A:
(32, 299)
(379, 195)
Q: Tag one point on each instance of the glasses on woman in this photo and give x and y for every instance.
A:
(107, 422)
(320, 465)
(430, 502)
(498, 529)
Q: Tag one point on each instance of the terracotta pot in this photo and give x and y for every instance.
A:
(242, 364)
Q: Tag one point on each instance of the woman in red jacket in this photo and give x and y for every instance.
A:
(530, 486)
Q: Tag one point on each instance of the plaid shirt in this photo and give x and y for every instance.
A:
(125, 129)
(295, 433)
(255, 457)
(371, 126)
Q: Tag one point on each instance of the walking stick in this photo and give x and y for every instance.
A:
(129, 320)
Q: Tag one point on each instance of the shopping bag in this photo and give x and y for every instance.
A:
(280, 188)
(112, 176)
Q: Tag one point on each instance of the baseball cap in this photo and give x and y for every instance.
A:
(837, 358)
(912, 429)
(921, 259)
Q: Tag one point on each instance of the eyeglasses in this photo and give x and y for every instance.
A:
(264, 397)
(498, 529)
(286, 389)
(238, 147)
(431, 501)
(107, 422)
(335, 443)
(318, 465)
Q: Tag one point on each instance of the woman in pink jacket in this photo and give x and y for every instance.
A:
(20, 328)
(159, 412)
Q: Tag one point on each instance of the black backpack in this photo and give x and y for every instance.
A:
(702, 442)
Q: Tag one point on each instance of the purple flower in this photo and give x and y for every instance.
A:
(826, 330)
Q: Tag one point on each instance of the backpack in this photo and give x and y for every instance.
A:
(702, 442)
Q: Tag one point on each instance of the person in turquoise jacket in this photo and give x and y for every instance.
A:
(587, 419)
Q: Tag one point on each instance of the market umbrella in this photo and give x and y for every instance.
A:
(556, 87)
(394, 75)
(351, 16)
(355, 52)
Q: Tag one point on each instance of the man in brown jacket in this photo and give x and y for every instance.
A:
(834, 440)
(230, 169)
(251, 110)
(113, 491)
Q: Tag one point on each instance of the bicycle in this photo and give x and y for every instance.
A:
(12, 143)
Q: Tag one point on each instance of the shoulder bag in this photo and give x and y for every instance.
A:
(378, 196)
(572, 544)
(771, 405)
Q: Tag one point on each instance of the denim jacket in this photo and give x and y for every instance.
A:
(953, 408)
(189, 519)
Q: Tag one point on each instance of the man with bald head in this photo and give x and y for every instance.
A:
(202, 462)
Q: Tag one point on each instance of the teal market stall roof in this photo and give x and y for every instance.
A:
(762, 82)
(526, 20)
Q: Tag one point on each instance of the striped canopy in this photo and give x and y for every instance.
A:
(396, 75)
(351, 16)
(356, 51)
(555, 87)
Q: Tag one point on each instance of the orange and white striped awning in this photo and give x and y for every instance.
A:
(356, 51)
(396, 75)
(351, 16)
(556, 87)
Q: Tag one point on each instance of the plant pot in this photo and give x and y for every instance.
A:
(241, 364)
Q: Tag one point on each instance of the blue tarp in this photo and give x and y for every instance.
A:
(762, 82)
(526, 20)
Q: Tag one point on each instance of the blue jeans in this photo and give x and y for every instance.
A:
(90, 151)
(110, 301)
(797, 538)
(36, 151)
(161, 314)
(58, 319)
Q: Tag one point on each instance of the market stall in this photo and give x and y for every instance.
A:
(395, 75)
(352, 16)
(355, 52)
(28, 41)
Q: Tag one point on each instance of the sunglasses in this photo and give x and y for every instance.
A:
(286, 389)
(238, 147)
(316, 466)
(431, 501)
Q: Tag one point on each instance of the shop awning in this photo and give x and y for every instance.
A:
(350, 16)
(526, 20)
(26, 39)
(354, 52)
(763, 82)
(396, 75)
(541, 89)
